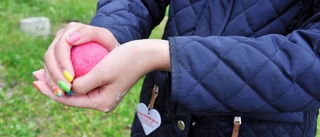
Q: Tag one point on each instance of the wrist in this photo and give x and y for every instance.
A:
(159, 54)
(152, 54)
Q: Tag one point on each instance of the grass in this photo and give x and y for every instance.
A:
(26, 112)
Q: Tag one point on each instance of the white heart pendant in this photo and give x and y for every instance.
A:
(150, 120)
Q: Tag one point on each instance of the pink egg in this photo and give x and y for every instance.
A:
(84, 57)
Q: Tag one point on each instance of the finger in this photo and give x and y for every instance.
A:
(57, 57)
(51, 67)
(89, 33)
(56, 87)
(102, 99)
(39, 75)
(96, 99)
(62, 49)
(48, 78)
(45, 89)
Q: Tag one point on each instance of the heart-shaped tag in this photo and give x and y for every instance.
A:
(150, 120)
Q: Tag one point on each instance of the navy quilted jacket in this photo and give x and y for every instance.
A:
(258, 59)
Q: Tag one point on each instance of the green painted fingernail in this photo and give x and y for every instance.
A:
(64, 86)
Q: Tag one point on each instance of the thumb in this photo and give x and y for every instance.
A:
(116, 70)
(91, 80)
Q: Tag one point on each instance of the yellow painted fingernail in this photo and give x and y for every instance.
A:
(57, 91)
(64, 86)
(67, 75)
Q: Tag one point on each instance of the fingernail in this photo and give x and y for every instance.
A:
(69, 93)
(73, 37)
(36, 86)
(57, 91)
(67, 75)
(64, 86)
(35, 77)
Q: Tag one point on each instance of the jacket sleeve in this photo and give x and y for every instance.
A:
(234, 74)
(129, 19)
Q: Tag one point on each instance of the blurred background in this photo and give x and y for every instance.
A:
(24, 111)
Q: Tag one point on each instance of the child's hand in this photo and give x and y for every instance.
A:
(96, 99)
(103, 87)
(57, 58)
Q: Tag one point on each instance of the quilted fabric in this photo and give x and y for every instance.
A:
(258, 59)
(263, 70)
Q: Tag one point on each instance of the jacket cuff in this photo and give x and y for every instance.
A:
(174, 69)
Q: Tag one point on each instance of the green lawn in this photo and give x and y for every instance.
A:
(26, 112)
(23, 110)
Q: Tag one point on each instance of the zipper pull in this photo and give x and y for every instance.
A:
(154, 95)
(236, 126)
